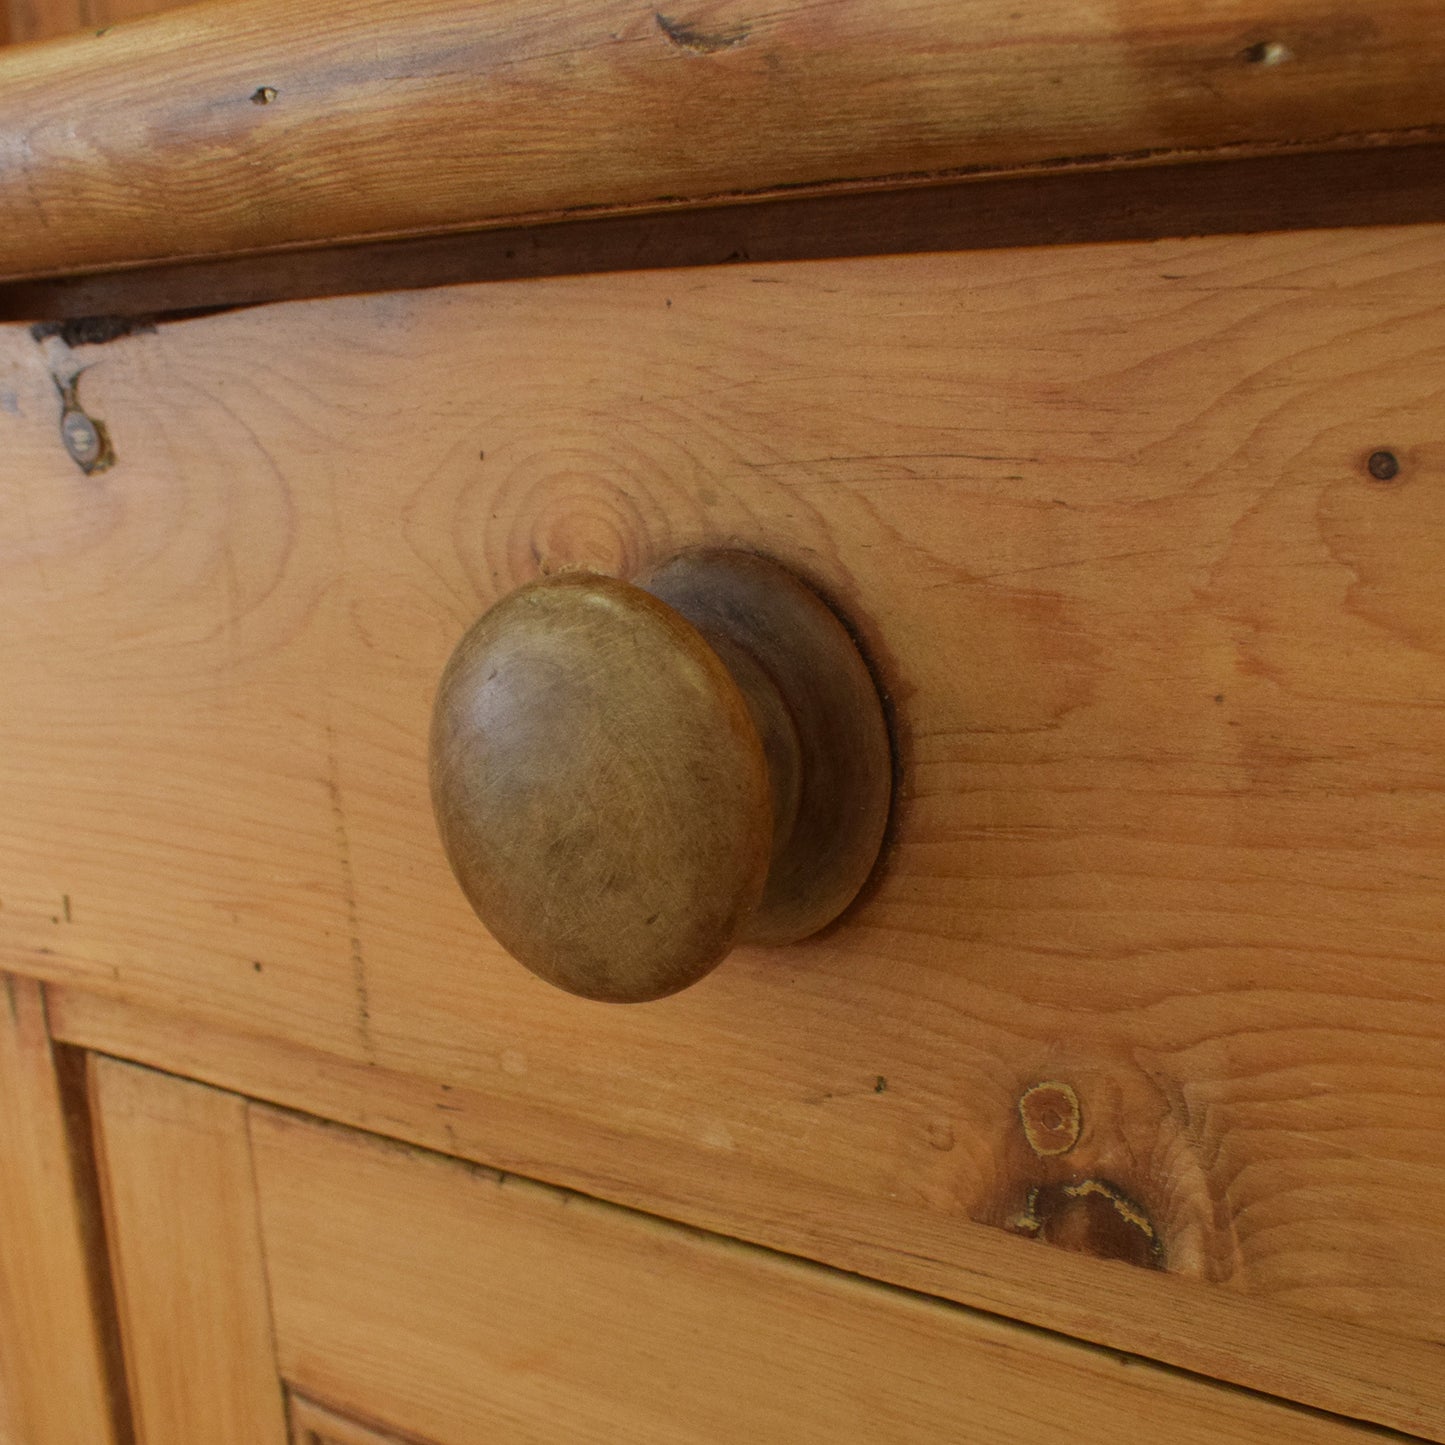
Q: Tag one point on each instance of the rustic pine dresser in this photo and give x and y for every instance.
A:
(1085, 363)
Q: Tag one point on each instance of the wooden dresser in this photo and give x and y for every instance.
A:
(1088, 361)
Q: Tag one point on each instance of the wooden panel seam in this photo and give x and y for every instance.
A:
(1345, 188)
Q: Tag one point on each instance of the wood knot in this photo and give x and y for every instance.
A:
(1050, 1115)
(1093, 1217)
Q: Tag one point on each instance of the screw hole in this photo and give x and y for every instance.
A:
(1384, 466)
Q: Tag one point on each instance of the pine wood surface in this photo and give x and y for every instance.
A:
(475, 1309)
(249, 125)
(54, 1371)
(1164, 658)
(190, 1277)
(49, 19)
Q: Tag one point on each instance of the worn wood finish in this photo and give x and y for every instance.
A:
(255, 124)
(1372, 187)
(1163, 655)
(1353, 1371)
(631, 780)
(55, 1370)
(475, 1308)
(181, 1219)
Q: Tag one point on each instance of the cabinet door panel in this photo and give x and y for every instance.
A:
(447, 1304)
(404, 1298)
(482, 1309)
(186, 1247)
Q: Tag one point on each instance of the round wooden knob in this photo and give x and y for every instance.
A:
(629, 780)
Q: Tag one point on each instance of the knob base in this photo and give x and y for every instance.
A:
(818, 712)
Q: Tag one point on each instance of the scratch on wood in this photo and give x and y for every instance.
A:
(348, 885)
(10, 998)
(698, 41)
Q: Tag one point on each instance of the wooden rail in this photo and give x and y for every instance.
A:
(254, 125)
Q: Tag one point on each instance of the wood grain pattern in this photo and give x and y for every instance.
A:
(181, 1216)
(256, 124)
(54, 1370)
(477, 1308)
(1165, 662)
(48, 19)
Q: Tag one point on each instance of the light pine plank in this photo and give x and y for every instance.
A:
(254, 124)
(1166, 662)
(475, 1308)
(181, 1215)
(54, 1370)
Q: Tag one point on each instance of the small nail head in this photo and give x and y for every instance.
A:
(86, 440)
(1384, 466)
(264, 95)
(82, 440)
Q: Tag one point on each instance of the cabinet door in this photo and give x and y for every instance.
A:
(271, 1267)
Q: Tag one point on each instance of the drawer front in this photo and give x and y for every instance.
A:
(1163, 652)
(413, 1296)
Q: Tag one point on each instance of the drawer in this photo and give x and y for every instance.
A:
(410, 1293)
(1162, 650)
